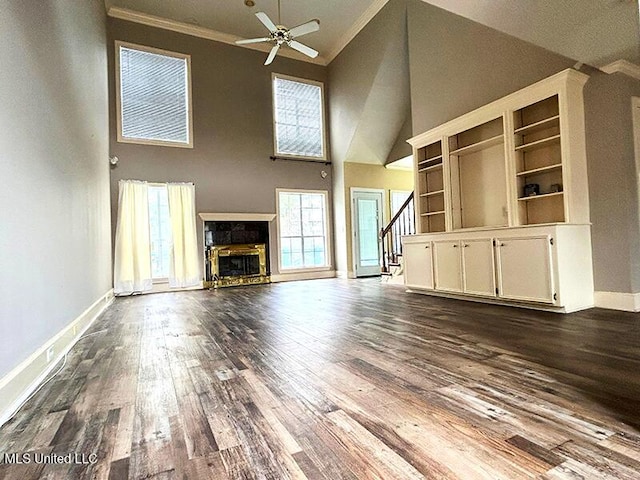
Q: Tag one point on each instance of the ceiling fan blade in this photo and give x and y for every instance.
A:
(266, 21)
(252, 40)
(308, 51)
(272, 55)
(312, 26)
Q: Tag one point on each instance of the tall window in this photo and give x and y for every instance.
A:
(303, 229)
(159, 231)
(153, 97)
(298, 117)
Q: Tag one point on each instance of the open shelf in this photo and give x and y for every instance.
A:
(538, 144)
(431, 160)
(428, 214)
(539, 196)
(431, 168)
(537, 126)
(537, 171)
(476, 147)
(429, 194)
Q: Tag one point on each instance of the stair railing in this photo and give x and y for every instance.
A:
(402, 223)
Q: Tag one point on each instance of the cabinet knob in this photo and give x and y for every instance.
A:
(426, 246)
(455, 245)
(465, 245)
(502, 245)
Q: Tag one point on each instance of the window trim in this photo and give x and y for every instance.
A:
(328, 233)
(142, 141)
(324, 157)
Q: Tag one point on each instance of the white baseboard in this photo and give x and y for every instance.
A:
(19, 383)
(288, 277)
(163, 287)
(629, 302)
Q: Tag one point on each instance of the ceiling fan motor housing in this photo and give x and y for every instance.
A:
(281, 35)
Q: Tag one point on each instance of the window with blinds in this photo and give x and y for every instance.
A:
(298, 111)
(154, 105)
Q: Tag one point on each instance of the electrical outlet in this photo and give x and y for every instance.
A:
(49, 354)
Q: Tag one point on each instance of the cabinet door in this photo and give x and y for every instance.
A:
(524, 266)
(478, 270)
(418, 265)
(447, 265)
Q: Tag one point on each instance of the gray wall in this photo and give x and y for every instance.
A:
(55, 248)
(233, 132)
(369, 85)
(369, 97)
(613, 182)
(458, 65)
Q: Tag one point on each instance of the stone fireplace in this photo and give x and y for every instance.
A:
(236, 249)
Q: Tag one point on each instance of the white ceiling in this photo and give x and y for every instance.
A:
(337, 17)
(595, 32)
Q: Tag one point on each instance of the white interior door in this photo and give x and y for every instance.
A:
(366, 225)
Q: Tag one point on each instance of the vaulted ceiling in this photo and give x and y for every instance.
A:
(595, 32)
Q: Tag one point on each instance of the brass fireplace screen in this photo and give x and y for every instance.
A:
(240, 264)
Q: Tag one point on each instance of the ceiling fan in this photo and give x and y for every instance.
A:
(280, 35)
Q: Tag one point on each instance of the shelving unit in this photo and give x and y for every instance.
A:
(538, 158)
(477, 157)
(481, 233)
(430, 188)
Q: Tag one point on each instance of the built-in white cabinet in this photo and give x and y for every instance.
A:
(542, 266)
(447, 265)
(419, 272)
(495, 188)
(464, 266)
(524, 271)
(478, 266)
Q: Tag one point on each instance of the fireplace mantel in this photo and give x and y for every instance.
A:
(237, 217)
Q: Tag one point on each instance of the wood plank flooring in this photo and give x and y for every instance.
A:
(337, 379)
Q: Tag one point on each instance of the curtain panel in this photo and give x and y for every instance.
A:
(184, 267)
(132, 267)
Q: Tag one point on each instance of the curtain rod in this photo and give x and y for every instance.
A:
(288, 159)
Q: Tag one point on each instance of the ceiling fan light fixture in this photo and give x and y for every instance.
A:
(280, 35)
(249, 3)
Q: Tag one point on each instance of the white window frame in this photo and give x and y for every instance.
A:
(324, 123)
(327, 240)
(143, 141)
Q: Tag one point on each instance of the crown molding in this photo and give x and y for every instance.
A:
(623, 66)
(201, 32)
(350, 34)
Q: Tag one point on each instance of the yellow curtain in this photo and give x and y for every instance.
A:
(184, 268)
(132, 267)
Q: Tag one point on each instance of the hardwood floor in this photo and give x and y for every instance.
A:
(338, 379)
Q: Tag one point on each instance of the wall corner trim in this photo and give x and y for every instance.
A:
(628, 302)
(623, 66)
(345, 274)
(22, 381)
(202, 32)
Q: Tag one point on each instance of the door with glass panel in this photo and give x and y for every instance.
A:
(366, 225)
